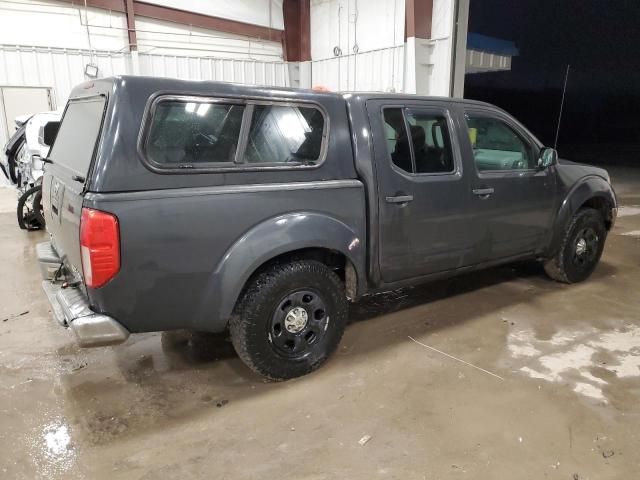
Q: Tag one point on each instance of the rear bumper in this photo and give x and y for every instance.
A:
(71, 308)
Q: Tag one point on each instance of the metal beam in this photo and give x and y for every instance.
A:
(206, 21)
(131, 25)
(297, 30)
(418, 15)
(184, 17)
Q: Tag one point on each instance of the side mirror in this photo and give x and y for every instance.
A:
(548, 156)
(50, 130)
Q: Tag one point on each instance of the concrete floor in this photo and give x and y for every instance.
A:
(557, 396)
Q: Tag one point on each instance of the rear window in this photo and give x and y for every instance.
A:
(285, 134)
(193, 133)
(78, 134)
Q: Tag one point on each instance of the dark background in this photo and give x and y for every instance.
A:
(600, 39)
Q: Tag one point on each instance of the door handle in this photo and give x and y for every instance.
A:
(482, 192)
(399, 199)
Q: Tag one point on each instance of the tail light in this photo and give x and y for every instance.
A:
(100, 246)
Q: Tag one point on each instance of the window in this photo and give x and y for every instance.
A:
(285, 134)
(431, 142)
(78, 134)
(428, 139)
(188, 132)
(496, 146)
(397, 139)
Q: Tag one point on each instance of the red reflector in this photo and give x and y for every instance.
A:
(100, 246)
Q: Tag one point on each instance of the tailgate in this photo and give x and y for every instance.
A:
(65, 177)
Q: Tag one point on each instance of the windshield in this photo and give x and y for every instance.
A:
(78, 133)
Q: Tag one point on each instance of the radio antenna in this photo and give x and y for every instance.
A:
(564, 92)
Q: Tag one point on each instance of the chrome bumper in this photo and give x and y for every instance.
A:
(71, 308)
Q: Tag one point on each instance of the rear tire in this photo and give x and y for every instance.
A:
(290, 319)
(581, 248)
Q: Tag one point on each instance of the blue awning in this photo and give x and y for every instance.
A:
(483, 43)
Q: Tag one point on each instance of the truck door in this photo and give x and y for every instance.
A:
(423, 196)
(512, 197)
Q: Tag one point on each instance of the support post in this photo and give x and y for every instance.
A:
(297, 30)
(418, 24)
(436, 39)
(131, 25)
(459, 60)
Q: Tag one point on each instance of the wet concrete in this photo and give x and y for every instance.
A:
(549, 389)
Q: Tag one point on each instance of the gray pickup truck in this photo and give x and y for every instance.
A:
(263, 211)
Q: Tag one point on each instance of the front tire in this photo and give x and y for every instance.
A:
(290, 319)
(581, 248)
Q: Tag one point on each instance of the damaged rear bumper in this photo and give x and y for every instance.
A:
(71, 308)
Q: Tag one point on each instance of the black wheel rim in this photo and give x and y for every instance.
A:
(585, 247)
(299, 322)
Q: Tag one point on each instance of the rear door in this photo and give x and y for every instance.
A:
(513, 199)
(423, 195)
(63, 186)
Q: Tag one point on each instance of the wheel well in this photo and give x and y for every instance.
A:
(603, 206)
(335, 260)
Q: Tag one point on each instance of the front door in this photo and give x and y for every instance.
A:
(425, 224)
(514, 199)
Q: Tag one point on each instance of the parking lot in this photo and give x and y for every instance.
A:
(498, 374)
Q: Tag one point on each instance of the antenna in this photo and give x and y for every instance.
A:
(564, 92)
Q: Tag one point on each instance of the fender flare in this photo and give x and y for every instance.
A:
(585, 189)
(269, 239)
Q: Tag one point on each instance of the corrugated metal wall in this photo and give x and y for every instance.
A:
(252, 72)
(379, 70)
(62, 69)
(59, 69)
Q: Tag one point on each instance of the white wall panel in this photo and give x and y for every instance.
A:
(60, 25)
(364, 24)
(256, 12)
(442, 26)
(377, 71)
(372, 28)
(217, 69)
(62, 69)
(156, 36)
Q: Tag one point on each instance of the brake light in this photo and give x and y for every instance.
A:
(99, 246)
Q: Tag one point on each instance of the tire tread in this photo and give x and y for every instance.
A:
(257, 292)
(555, 266)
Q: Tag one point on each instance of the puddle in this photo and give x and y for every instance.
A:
(57, 440)
(574, 357)
(628, 211)
(53, 449)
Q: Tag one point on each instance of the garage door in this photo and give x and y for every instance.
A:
(16, 101)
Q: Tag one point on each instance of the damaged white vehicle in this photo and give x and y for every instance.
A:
(28, 167)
